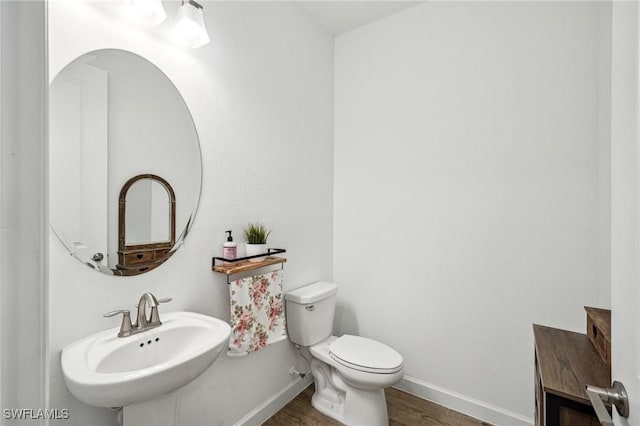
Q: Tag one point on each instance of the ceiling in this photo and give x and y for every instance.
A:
(338, 17)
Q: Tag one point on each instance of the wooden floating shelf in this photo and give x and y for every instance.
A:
(245, 265)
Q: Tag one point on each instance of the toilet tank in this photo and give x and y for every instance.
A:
(309, 311)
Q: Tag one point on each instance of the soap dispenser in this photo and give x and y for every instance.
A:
(229, 248)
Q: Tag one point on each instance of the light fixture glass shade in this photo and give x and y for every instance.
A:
(189, 29)
(149, 12)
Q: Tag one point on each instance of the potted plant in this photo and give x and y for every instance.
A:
(257, 235)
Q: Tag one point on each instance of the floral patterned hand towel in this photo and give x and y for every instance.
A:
(257, 313)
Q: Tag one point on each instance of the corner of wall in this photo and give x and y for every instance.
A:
(23, 193)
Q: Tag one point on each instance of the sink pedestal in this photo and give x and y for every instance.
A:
(160, 411)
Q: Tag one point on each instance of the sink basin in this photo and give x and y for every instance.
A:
(107, 371)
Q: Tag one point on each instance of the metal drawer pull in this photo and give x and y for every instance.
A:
(617, 396)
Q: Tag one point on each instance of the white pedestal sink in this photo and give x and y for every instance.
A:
(142, 372)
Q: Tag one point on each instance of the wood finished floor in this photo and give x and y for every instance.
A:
(404, 410)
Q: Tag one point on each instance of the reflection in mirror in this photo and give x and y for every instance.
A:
(148, 210)
(146, 224)
(114, 115)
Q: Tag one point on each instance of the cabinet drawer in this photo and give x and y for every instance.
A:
(137, 258)
(599, 336)
(161, 254)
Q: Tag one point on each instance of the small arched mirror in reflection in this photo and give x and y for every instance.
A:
(146, 224)
(149, 211)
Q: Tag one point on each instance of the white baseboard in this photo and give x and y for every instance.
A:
(462, 403)
(271, 406)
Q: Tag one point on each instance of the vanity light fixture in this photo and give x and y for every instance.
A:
(189, 29)
(150, 12)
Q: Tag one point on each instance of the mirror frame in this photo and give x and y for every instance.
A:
(149, 255)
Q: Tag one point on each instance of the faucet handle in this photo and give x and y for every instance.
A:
(125, 326)
(166, 300)
(116, 312)
(155, 317)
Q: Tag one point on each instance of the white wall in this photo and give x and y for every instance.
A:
(23, 210)
(261, 98)
(468, 188)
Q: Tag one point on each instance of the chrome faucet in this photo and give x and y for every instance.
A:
(143, 323)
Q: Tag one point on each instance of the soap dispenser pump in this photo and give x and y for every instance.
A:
(229, 248)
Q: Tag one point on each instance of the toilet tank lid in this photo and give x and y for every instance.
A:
(312, 293)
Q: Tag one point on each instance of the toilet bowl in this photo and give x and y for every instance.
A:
(350, 372)
(361, 362)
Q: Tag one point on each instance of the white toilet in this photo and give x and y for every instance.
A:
(350, 372)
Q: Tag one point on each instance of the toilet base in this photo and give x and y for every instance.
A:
(327, 407)
(344, 403)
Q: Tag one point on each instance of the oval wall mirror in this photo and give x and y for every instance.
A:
(114, 116)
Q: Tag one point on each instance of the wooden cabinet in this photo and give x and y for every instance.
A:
(141, 256)
(135, 261)
(599, 331)
(565, 362)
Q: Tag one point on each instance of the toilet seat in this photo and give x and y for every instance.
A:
(366, 355)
